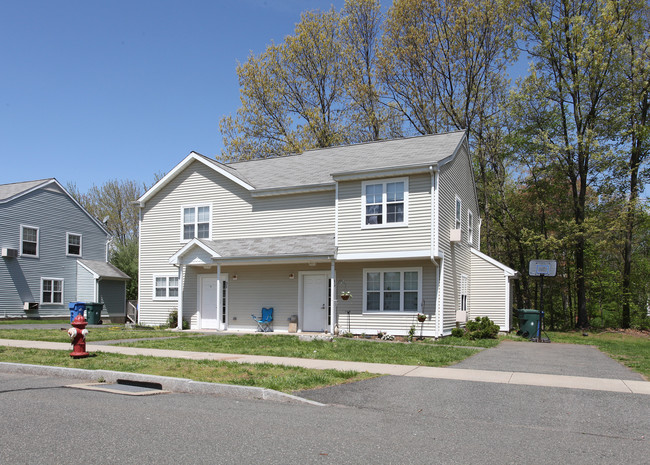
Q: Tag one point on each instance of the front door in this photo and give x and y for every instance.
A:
(212, 314)
(314, 292)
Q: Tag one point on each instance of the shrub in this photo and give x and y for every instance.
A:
(458, 332)
(481, 328)
(409, 338)
(172, 320)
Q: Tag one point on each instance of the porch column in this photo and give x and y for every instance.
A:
(332, 296)
(180, 297)
(219, 294)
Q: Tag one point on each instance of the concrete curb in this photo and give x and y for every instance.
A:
(168, 384)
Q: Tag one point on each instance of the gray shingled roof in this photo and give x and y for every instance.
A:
(104, 270)
(318, 166)
(290, 246)
(8, 191)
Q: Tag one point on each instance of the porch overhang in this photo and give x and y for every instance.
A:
(314, 248)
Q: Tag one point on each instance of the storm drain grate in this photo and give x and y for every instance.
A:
(125, 387)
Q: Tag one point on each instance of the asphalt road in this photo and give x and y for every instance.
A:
(385, 420)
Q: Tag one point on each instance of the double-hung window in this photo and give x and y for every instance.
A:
(165, 287)
(51, 291)
(29, 236)
(470, 227)
(385, 203)
(464, 289)
(196, 221)
(73, 244)
(392, 290)
(459, 207)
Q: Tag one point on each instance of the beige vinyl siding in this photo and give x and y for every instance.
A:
(489, 293)
(351, 276)
(456, 179)
(235, 214)
(352, 238)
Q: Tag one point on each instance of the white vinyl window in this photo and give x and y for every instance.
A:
(392, 290)
(73, 246)
(196, 222)
(51, 291)
(165, 287)
(464, 288)
(459, 207)
(470, 227)
(29, 238)
(385, 203)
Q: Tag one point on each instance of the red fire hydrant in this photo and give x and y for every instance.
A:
(78, 337)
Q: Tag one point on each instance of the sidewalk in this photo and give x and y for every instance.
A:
(459, 373)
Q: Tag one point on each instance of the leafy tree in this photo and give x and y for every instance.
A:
(125, 257)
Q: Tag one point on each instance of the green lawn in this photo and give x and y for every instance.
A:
(108, 333)
(629, 349)
(26, 321)
(340, 349)
(277, 377)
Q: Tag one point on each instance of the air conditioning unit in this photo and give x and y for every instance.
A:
(455, 235)
(461, 316)
(30, 305)
(9, 253)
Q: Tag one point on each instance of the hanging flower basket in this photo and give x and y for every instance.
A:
(345, 295)
(422, 318)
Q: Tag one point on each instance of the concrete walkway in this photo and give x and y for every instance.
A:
(596, 383)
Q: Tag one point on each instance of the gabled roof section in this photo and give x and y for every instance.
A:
(506, 270)
(9, 192)
(319, 169)
(103, 270)
(220, 168)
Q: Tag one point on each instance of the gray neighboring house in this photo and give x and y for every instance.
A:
(53, 252)
(393, 223)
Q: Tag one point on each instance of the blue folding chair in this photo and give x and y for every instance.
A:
(264, 323)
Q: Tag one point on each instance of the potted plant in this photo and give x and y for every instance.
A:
(345, 295)
(422, 318)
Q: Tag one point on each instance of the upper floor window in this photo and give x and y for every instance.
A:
(385, 203)
(29, 241)
(459, 206)
(196, 222)
(73, 244)
(470, 227)
(392, 290)
(165, 287)
(51, 291)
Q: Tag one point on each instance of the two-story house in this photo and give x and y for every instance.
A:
(395, 224)
(53, 252)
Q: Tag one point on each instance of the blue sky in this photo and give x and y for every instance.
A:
(96, 90)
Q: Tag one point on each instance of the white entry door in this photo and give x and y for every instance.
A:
(314, 296)
(212, 309)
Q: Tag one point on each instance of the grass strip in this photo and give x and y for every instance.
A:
(631, 350)
(109, 333)
(278, 377)
(339, 349)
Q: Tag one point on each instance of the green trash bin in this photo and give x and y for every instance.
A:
(528, 322)
(94, 312)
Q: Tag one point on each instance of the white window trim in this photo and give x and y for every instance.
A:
(166, 276)
(391, 312)
(384, 225)
(182, 224)
(464, 286)
(45, 278)
(67, 244)
(38, 241)
(458, 213)
(470, 227)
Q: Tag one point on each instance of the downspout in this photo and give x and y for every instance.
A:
(108, 243)
(434, 247)
(137, 317)
(219, 296)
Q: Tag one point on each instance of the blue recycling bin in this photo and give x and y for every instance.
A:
(76, 308)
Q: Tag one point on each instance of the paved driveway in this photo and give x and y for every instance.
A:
(553, 359)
